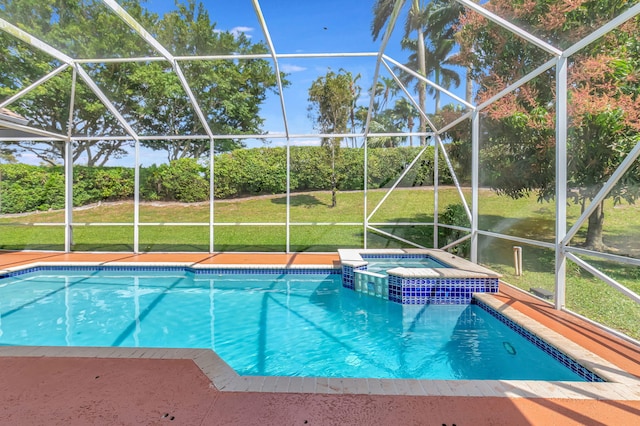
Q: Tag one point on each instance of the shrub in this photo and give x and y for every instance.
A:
(454, 214)
(26, 188)
(238, 173)
(94, 184)
(181, 180)
(311, 168)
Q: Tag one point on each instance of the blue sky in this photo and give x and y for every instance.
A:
(295, 26)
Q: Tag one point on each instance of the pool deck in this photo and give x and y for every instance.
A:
(155, 387)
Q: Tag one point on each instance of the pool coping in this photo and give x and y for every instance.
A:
(621, 385)
(190, 265)
(459, 267)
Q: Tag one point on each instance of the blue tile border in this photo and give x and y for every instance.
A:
(438, 291)
(195, 271)
(422, 290)
(555, 353)
(263, 271)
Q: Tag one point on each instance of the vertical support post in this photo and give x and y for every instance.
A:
(561, 181)
(475, 182)
(68, 170)
(212, 189)
(436, 178)
(365, 177)
(288, 231)
(68, 195)
(136, 198)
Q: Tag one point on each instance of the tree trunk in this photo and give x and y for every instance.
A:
(437, 78)
(594, 230)
(469, 87)
(333, 175)
(422, 86)
(334, 201)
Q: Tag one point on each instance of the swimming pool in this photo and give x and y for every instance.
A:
(296, 323)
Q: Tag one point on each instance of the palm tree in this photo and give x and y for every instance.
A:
(437, 58)
(386, 88)
(385, 122)
(444, 15)
(355, 93)
(404, 111)
(382, 11)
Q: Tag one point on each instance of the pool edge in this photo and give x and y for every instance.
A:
(226, 379)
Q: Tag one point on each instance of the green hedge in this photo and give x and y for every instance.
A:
(26, 188)
(245, 172)
(183, 180)
(93, 184)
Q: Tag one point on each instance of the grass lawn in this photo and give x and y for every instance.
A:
(318, 227)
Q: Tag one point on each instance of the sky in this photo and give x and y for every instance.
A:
(297, 26)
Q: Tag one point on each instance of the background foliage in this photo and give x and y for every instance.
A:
(240, 173)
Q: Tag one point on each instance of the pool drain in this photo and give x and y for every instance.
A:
(509, 348)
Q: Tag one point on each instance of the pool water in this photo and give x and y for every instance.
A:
(381, 265)
(288, 324)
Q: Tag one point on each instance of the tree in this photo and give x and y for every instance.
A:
(353, 112)
(331, 100)
(405, 112)
(457, 140)
(230, 93)
(382, 11)
(385, 89)
(604, 101)
(385, 122)
(68, 26)
(443, 22)
(436, 59)
(148, 95)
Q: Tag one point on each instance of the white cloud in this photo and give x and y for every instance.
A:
(305, 142)
(280, 141)
(30, 158)
(289, 68)
(237, 30)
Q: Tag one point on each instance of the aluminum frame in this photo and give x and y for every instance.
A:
(559, 60)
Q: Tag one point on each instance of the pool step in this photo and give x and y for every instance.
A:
(371, 283)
